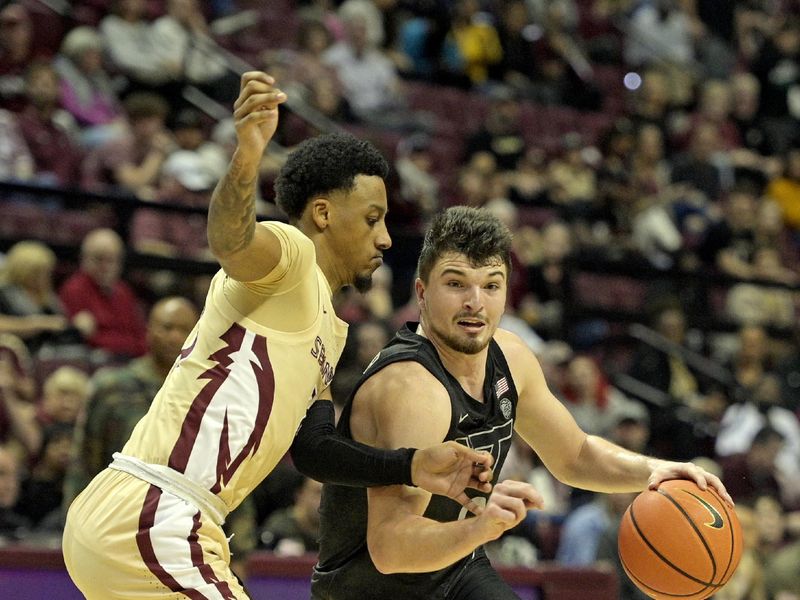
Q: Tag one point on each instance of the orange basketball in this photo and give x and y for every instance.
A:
(679, 541)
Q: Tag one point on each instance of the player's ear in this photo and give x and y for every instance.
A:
(320, 212)
(419, 290)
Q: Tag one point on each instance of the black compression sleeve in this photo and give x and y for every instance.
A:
(320, 452)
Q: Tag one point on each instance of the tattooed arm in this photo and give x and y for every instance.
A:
(246, 252)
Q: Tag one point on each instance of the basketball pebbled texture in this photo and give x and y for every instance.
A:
(679, 541)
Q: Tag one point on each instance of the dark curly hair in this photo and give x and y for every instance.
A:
(474, 232)
(324, 164)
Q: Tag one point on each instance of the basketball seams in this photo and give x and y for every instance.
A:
(696, 529)
(642, 584)
(725, 576)
(706, 585)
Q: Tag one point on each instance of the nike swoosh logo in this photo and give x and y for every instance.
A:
(463, 417)
(718, 522)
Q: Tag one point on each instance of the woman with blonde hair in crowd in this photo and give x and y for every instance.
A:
(29, 306)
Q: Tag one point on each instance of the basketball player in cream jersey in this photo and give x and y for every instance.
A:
(262, 354)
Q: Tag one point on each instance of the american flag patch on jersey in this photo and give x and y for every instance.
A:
(501, 386)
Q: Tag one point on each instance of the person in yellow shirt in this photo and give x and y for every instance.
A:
(785, 190)
(262, 354)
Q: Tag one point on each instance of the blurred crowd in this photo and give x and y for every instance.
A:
(645, 153)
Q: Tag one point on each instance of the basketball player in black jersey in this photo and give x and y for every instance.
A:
(456, 376)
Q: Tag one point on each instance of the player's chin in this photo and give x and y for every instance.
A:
(363, 281)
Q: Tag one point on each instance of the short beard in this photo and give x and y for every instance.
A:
(363, 283)
(468, 346)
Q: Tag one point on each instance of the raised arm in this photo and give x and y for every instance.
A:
(403, 405)
(574, 457)
(246, 252)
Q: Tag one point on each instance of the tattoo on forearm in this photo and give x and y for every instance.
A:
(232, 212)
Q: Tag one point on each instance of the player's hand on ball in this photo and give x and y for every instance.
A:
(507, 506)
(449, 468)
(256, 113)
(666, 471)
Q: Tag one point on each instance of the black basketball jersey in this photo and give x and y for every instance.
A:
(345, 570)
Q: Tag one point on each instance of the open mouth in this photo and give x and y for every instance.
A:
(471, 325)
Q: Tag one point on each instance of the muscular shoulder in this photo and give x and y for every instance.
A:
(402, 404)
(296, 263)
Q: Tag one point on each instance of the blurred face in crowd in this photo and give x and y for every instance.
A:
(371, 337)
(752, 343)
(101, 257)
(171, 321)
(63, 404)
(672, 325)
(15, 30)
(582, 375)
(41, 87)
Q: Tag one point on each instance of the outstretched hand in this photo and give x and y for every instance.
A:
(449, 468)
(675, 470)
(255, 112)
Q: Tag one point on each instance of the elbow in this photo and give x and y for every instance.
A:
(382, 556)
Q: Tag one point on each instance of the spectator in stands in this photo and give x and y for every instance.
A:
(660, 32)
(29, 306)
(187, 180)
(294, 530)
(752, 358)
(573, 182)
(501, 133)
(746, 91)
(120, 396)
(696, 166)
(16, 162)
(18, 427)
(585, 526)
(17, 51)
(48, 129)
(64, 395)
(590, 398)
(752, 472)
(518, 66)
(87, 91)
(477, 41)
(788, 371)
(13, 526)
(754, 304)
(564, 73)
(133, 162)
(785, 190)
(774, 68)
(550, 281)
(188, 53)
(772, 523)
(419, 187)
(761, 409)
(42, 490)
(714, 107)
(191, 134)
(652, 103)
(369, 78)
(130, 45)
(98, 290)
(782, 576)
(729, 244)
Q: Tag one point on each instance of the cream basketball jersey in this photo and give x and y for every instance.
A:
(259, 355)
